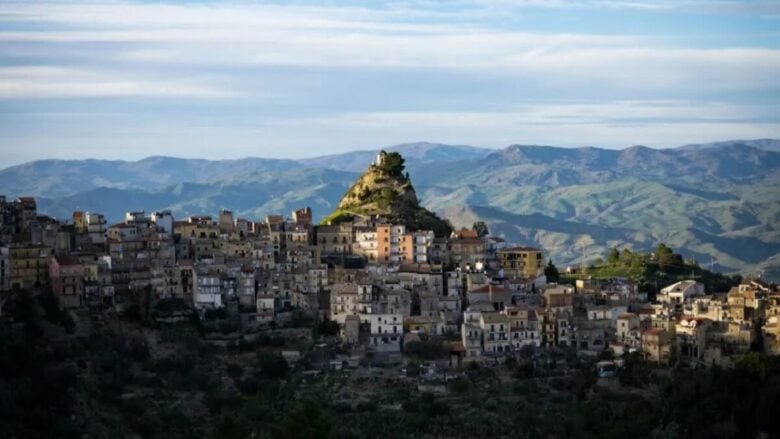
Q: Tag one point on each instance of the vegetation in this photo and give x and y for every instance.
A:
(426, 349)
(392, 164)
(114, 380)
(385, 190)
(551, 272)
(338, 217)
(660, 268)
(481, 228)
(424, 219)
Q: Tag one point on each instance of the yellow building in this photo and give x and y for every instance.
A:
(29, 265)
(523, 262)
(79, 221)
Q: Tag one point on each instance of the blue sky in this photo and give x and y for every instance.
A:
(129, 79)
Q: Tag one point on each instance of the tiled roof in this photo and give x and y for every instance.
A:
(519, 249)
(491, 289)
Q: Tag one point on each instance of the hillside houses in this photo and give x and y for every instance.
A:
(383, 284)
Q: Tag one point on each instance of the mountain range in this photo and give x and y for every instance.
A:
(718, 203)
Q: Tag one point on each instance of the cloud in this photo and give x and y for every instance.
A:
(256, 35)
(49, 82)
(609, 124)
(229, 79)
(613, 124)
(607, 114)
(763, 8)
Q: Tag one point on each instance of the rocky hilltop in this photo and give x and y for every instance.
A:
(386, 191)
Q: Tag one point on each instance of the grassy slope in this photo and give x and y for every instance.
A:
(636, 214)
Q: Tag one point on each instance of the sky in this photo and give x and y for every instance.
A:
(211, 79)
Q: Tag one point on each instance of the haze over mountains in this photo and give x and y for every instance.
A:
(718, 203)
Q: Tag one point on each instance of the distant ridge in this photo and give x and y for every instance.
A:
(718, 203)
(767, 144)
(416, 153)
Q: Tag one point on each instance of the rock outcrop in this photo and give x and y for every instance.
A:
(385, 191)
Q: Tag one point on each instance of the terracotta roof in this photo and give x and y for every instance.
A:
(758, 282)
(494, 317)
(416, 268)
(466, 233)
(67, 260)
(122, 226)
(491, 289)
(519, 249)
(457, 347)
(474, 241)
(654, 331)
(345, 289)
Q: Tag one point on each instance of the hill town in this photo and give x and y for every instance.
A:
(380, 283)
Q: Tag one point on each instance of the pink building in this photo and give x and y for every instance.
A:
(67, 280)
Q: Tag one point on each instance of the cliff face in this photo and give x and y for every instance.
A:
(384, 190)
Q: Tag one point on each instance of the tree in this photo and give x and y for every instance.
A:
(272, 365)
(392, 164)
(614, 256)
(329, 327)
(664, 256)
(551, 272)
(481, 228)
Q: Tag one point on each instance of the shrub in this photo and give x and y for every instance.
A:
(215, 314)
(366, 406)
(459, 386)
(179, 364)
(228, 326)
(248, 386)
(272, 365)
(234, 370)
